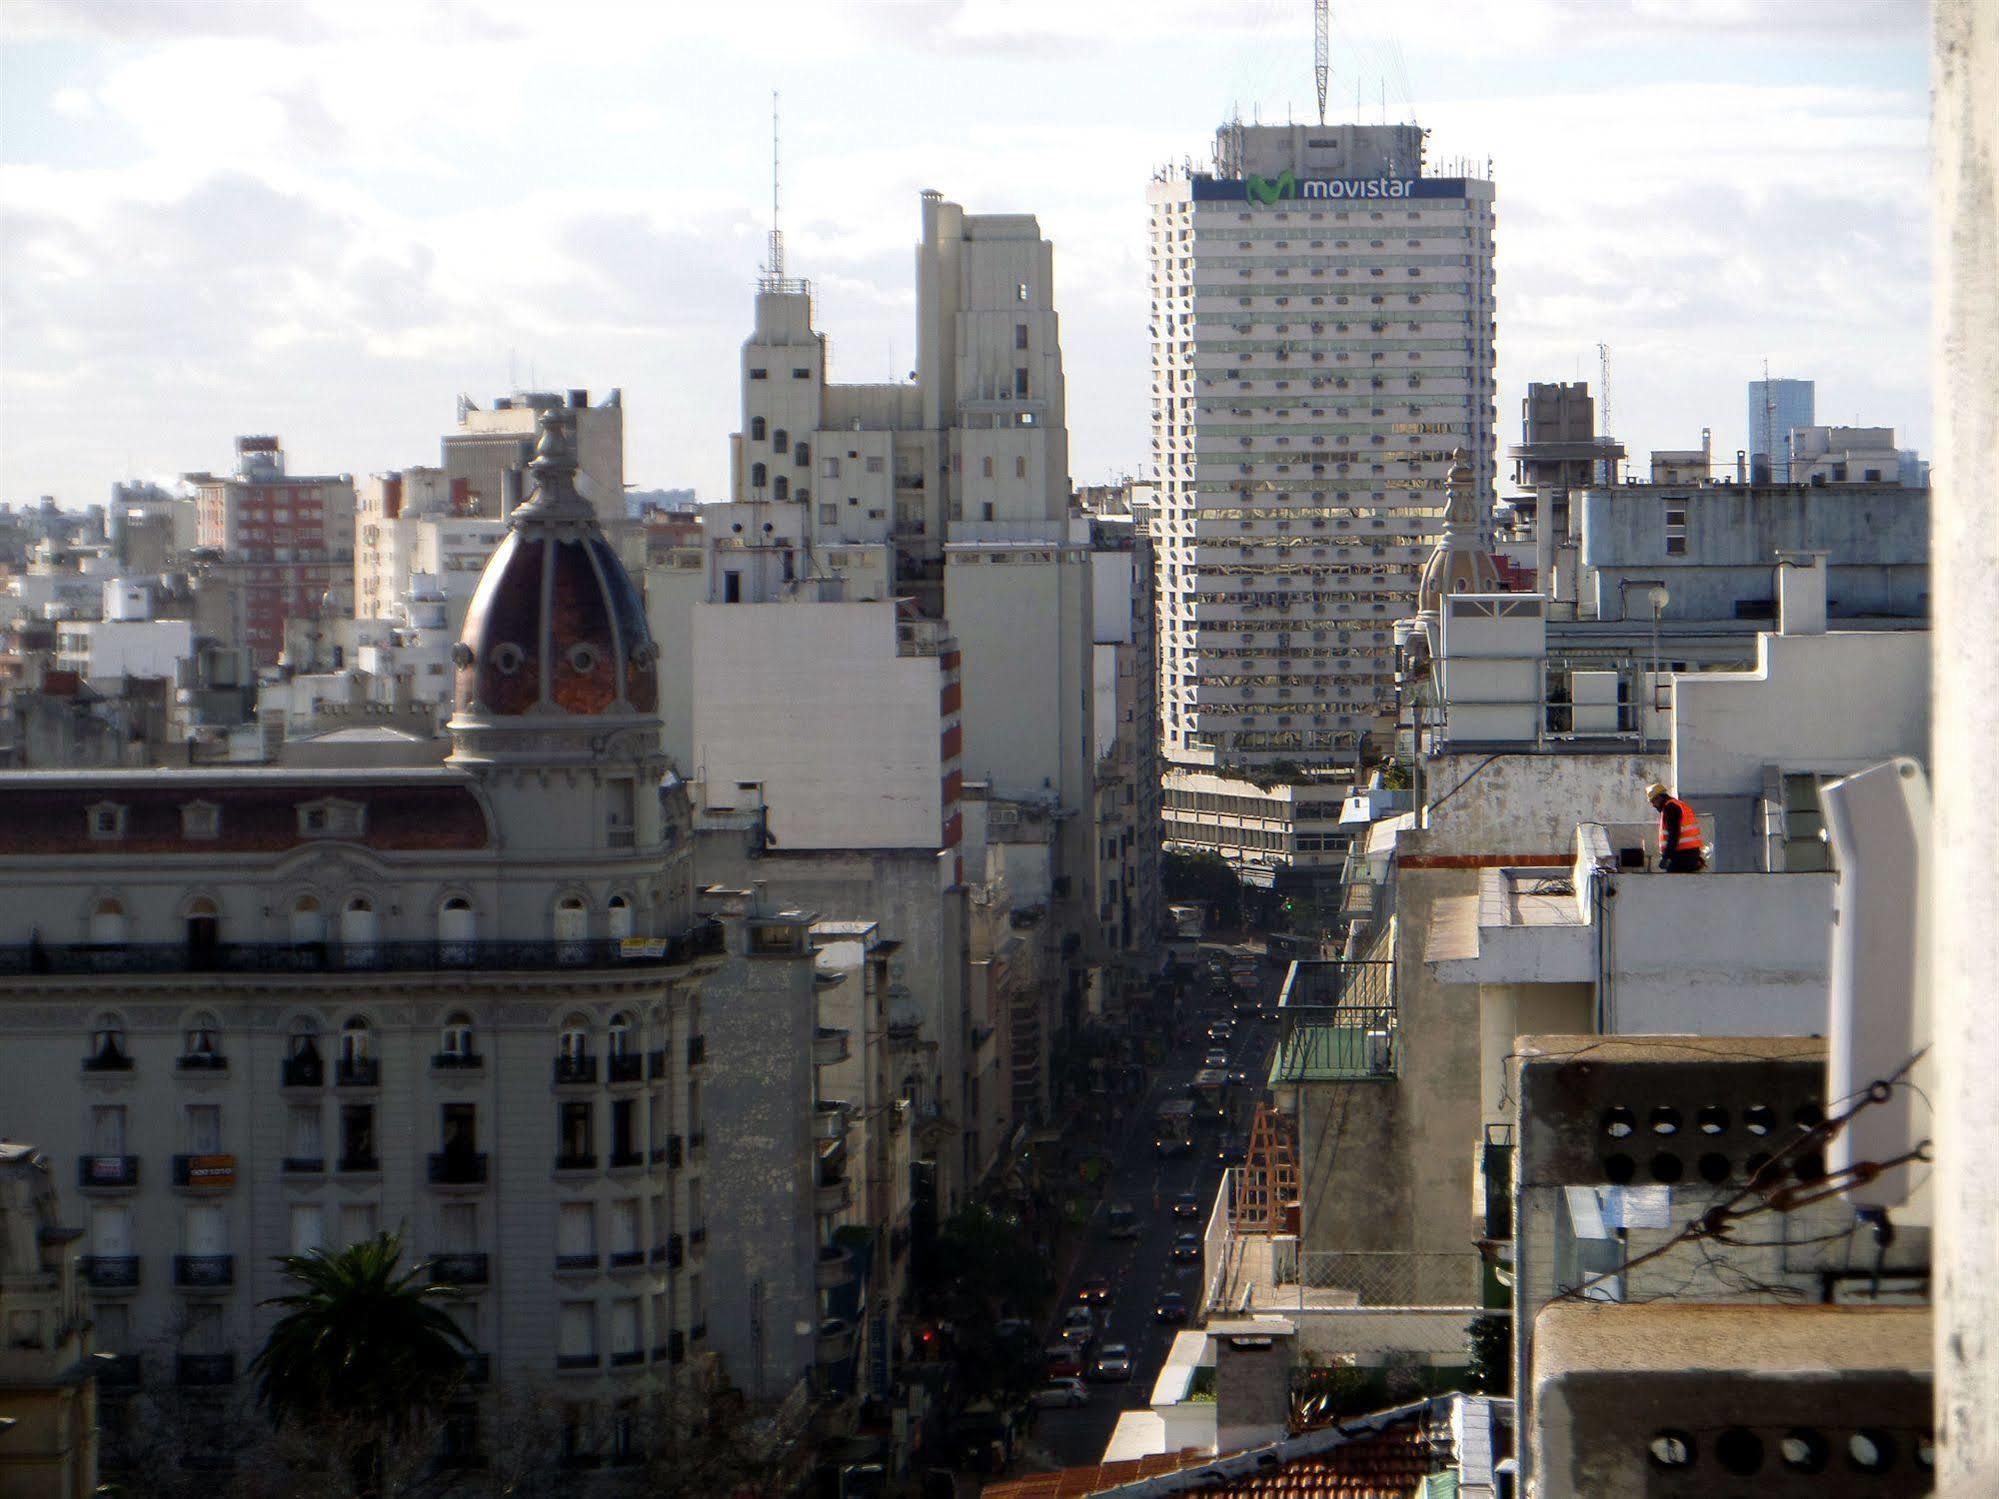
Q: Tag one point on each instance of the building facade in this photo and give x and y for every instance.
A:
(1322, 313)
(1776, 408)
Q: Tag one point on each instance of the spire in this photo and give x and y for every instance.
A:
(555, 496)
(1461, 562)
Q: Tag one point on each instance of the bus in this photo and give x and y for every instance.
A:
(1173, 1127)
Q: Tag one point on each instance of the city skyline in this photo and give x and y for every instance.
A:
(327, 224)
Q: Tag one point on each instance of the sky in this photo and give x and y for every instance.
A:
(329, 218)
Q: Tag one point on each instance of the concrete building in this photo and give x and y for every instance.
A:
(268, 1009)
(1776, 409)
(1264, 831)
(282, 544)
(1559, 455)
(491, 443)
(1845, 455)
(48, 1378)
(1124, 670)
(1322, 313)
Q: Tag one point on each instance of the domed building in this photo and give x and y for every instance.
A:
(1462, 563)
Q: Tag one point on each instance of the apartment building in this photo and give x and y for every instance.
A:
(283, 543)
(1322, 313)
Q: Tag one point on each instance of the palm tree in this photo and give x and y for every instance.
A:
(363, 1349)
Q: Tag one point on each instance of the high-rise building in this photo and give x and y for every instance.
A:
(1775, 408)
(1322, 313)
(283, 543)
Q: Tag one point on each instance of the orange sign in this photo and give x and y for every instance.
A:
(213, 1173)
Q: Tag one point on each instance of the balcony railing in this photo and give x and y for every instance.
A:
(621, 1159)
(201, 1061)
(576, 1361)
(108, 1061)
(107, 1171)
(361, 1164)
(357, 1072)
(576, 1161)
(302, 1165)
(571, 1070)
(1340, 1024)
(302, 1072)
(458, 1168)
(205, 1368)
(198, 1270)
(588, 1261)
(467, 1269)
(457, 1061)
(701, 941)
(111, 1272)
(627, 1357)
(627, 1067)
(626, 1259)
(208, 1173)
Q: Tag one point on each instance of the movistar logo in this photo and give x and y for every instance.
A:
(1270, 189)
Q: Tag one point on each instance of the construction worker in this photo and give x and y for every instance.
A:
(1679, 832)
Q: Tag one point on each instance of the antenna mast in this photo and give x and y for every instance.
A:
(776, 269)
(1322, 53)
(1603, 406)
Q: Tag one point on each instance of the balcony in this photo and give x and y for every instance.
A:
(204, 1271)
(627, 1259)
(573, 1072)
(832, 1196)
(361, 1165)
(1340, 1024)
(457, 1061)
(111, 1272)
(836, 1267)
(205, 1368)
(119, 1371)
(204, 1173)
(467, 1269)
(458, 1168)
(576, 1161)
(357, 1072)
(571, 1362)
(829, 1120)
(697, 1050)
(201, 1061)
(301, 1072)
(573, 1263)
(108, 1061)
(836, 1341)
(302, 1165)
(39, 958)
(829, 1047)
(627, 1067)
(98, 1172)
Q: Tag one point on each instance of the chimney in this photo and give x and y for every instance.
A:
(1801, 597)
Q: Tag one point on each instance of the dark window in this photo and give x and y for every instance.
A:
(1020, 335)
(759, 476)
(357, 1136)
(622, 1143)
(460, 1129)
(576, 1130)
(759, 374)
(780, 439)
(732, 587)
(780, 488)
(1020, 382)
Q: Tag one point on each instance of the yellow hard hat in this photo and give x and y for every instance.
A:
(1657, 788)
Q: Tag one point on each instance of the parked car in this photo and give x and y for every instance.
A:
(1172, 1308)
(1186, 1248)
(1113, 1362)
(1094, 1292)
(1064, 1393)
(1187, 1205)
(1064, 1362)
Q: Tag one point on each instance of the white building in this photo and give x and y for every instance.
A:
(1845, 455)
(1323, 340)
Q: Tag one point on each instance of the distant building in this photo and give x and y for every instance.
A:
(1322, 315)
(490, 444)
(1776, 409)
(282, 544)
(48, 1379)
(1845, 455)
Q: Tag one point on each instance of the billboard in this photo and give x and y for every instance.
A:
(1286, 185)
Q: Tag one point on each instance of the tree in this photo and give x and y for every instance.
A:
(363, 1349)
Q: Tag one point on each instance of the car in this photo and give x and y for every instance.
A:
(1094, 1292)
(1186, 1248)
(1172, 1309)
(1113, 1362)
(1216, 1058)
(1123, 1219)
(1063, 1362)
(1231, 1150)
(1061, 1394)
(1186, 1205)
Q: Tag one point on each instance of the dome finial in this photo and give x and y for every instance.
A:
(554, 469)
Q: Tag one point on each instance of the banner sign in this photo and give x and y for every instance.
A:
(1284, 185)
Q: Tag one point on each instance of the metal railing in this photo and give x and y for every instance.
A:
(205, 1368)
(111, 1272)
(204, 1270)
(107, 1171)
(466, 1269)
(704, 940)
(1389, 1278)
(458, 1168)
(1340, 1023)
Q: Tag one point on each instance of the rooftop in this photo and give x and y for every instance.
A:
(1587, 1337)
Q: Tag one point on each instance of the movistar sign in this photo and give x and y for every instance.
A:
(1287, 185)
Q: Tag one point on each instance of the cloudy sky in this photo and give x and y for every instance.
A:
(327, 218)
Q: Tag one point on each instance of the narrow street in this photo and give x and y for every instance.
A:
(1140, 1270)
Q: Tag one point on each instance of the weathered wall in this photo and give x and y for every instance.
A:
(1515, 804)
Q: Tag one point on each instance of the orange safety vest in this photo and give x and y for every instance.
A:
(1690, 828)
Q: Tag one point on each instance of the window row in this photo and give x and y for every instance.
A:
(356, 922)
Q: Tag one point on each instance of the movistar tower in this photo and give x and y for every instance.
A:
(1322, 342)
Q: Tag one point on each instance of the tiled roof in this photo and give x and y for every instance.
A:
(1096, 1478)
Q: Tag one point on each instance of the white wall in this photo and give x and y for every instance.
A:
(154, 648)
(1814, 702)
(812, 701)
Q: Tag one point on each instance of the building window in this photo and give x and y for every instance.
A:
(759, 374)
(758, 429)
(759, 476)
(201, 1041)
(107, 922)
(576, 1234)
(308, 1228)
(457, 929)
(618, 918)
(331, 817)
(802, 454)
(1020, 335)
(1020, 292)
(308, 922)
(200, 820)
(576, 1346)
(107, 1047)
(578, 1135)
(986, 467)
(1020, 383)
(780, 440)
(780, 488)
(105, 820)
(357, 1138)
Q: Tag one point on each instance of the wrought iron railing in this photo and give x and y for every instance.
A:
(205, 1368)
(61, 959)
(204, 1270)
(107, 1171)
(458, 1168)
(467, 1269)
(111, 1272)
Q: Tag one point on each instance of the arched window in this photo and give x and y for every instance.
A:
(358, 1065)
(303, 1066)
(804, 453)
(108, 1052)
(359, 932)
(107, 922)
(780, 488)
(573, 1062)
(201, 1041)
(618, 918)
(758, 475)
(780, 439)
(572, 928)
(757, 429)
(624, 1035)
(355, 1040)
(455, 1047)
(457, 930)
(308, 922)
(204, 932)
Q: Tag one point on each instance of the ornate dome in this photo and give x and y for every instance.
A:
(556, 625)
(1461, 563)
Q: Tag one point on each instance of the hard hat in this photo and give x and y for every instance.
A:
(1656, 789)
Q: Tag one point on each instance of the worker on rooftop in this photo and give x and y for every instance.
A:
(1679, 832)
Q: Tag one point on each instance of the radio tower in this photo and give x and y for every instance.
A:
(1322, 52)
(774, 271)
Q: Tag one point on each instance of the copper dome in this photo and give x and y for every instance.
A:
(556, 623)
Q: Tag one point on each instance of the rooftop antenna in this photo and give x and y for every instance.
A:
(1322, 52)
(775, 270)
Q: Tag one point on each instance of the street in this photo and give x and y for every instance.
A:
(1140, 1270)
